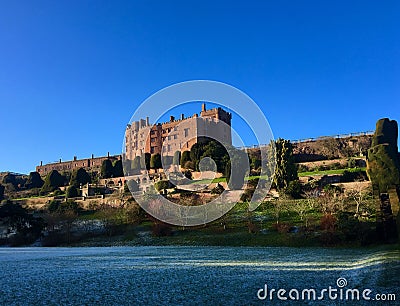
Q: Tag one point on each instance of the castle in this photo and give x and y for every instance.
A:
(177, 134)
(89, 164)
(163, 138)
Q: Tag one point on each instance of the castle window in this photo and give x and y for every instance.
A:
(187, 132)
(175, 136)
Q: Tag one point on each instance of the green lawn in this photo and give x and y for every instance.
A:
(325, 172)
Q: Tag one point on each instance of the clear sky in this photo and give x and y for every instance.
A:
(73, 72)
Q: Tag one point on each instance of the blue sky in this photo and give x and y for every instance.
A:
(73, 72)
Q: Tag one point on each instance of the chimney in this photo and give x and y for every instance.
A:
(41, 163)
(75, 158)
(147, 121)
(171, 118)
(203, 107)
(108, 154)
(60, 160)
(92, 156)
(182, 116)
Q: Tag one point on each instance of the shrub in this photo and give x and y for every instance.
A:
(188, 174)
(155, 161)
(106, 169)
(34, 180)
(328, 223)
(72, 192)
(189, 165)
(217, 189)
(53, 180)
(185, 158)
(79, 177)
(352, 176)
(247, 195)
(294, 189)
(177, 158)
(1, 192)
(352, 162)
(118, 170)
(163, 184)
(302, 168)
(133, 185)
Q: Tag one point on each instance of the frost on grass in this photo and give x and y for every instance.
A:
(182, 275)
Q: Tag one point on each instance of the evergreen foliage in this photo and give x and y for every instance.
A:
(72, 192)
(118, 170)
(106, 169)
(185, 158)
(177, 158)
(383, 165)
(79, 177)
(136, 165)
(155, 161)
(145, 161)
(286, 170)
(53, 181)
(34, 180)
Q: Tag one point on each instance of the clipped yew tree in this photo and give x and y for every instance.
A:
(34, 180)
(53, 181)
(155, 161)
(118, 170)
(145, 161)
(185, 158)
(286, 170)
(177, 158)
(383, 169)
(72, 192)
(106, 169)
(136, 165)
(79, 177)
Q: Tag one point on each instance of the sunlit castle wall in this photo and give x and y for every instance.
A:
(177, 134)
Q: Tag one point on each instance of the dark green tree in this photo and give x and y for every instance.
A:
(10, 178)
(196, 152)
(79, 177)
(185, 158)
(162, 185)
(118, 171)
(145, 161)
(383, 163)
(236, 168)
(106, 169)
(286, 170)
(1, 192)
(383, 169)
(17, 218)
(72, 192)
(127, 165)
(177, 158)
(216, 151)
(136, 165)
(34, 180)
(155, 161)
(53, 181)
